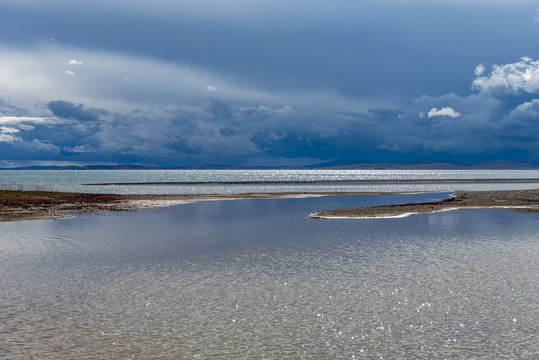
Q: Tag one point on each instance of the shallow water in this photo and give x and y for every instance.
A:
(256, 279)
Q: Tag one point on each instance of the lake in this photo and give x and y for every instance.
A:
(257, 279)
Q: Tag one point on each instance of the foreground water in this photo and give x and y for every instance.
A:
(250, 279)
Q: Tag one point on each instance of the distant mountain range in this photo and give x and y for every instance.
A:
(427, 165)
(345, 164)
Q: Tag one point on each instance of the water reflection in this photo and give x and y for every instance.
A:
(251, 279)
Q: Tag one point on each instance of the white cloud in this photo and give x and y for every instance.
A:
(69, 72)
(479, 70)
(26, 127)
(446, 111)
(211, 88)
(7, 138)
(7, 130)
(74, 62)
(13, 120)
(510, 79)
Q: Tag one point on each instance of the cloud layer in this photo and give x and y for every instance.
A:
(178, 82)
(487, 124)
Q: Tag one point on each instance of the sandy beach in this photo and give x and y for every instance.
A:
(28, 205)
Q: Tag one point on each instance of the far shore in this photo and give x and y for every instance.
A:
(28, 205)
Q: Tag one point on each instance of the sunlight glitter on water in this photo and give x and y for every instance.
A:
(74, 180)
(252, 279)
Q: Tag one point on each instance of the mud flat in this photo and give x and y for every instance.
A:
(28, 205)
(519, 200)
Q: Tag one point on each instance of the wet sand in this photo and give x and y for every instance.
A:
(27, 205)
(519, 200)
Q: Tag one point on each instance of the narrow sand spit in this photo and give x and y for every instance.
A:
(27, 205)
(518, 200)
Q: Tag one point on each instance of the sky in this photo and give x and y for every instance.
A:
(267, 82)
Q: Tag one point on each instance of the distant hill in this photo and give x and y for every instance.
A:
(142, 167)
(427, 165)
(85, 167)
(343, 164)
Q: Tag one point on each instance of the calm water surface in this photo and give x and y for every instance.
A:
(256, 279)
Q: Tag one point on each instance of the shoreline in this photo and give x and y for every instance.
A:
(517, 200)
(18, 205)
(29, 205)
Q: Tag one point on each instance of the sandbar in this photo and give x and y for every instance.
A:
(18, 205)
(518, 200)
(28, 205)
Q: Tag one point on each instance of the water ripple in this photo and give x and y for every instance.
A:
(230, 280)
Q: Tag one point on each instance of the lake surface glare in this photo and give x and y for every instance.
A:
(247, 279)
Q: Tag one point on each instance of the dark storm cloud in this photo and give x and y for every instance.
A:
(219, 108)
(355, 48)
(30, 150)
(226, 131)
(68, 110)
(520, 127)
